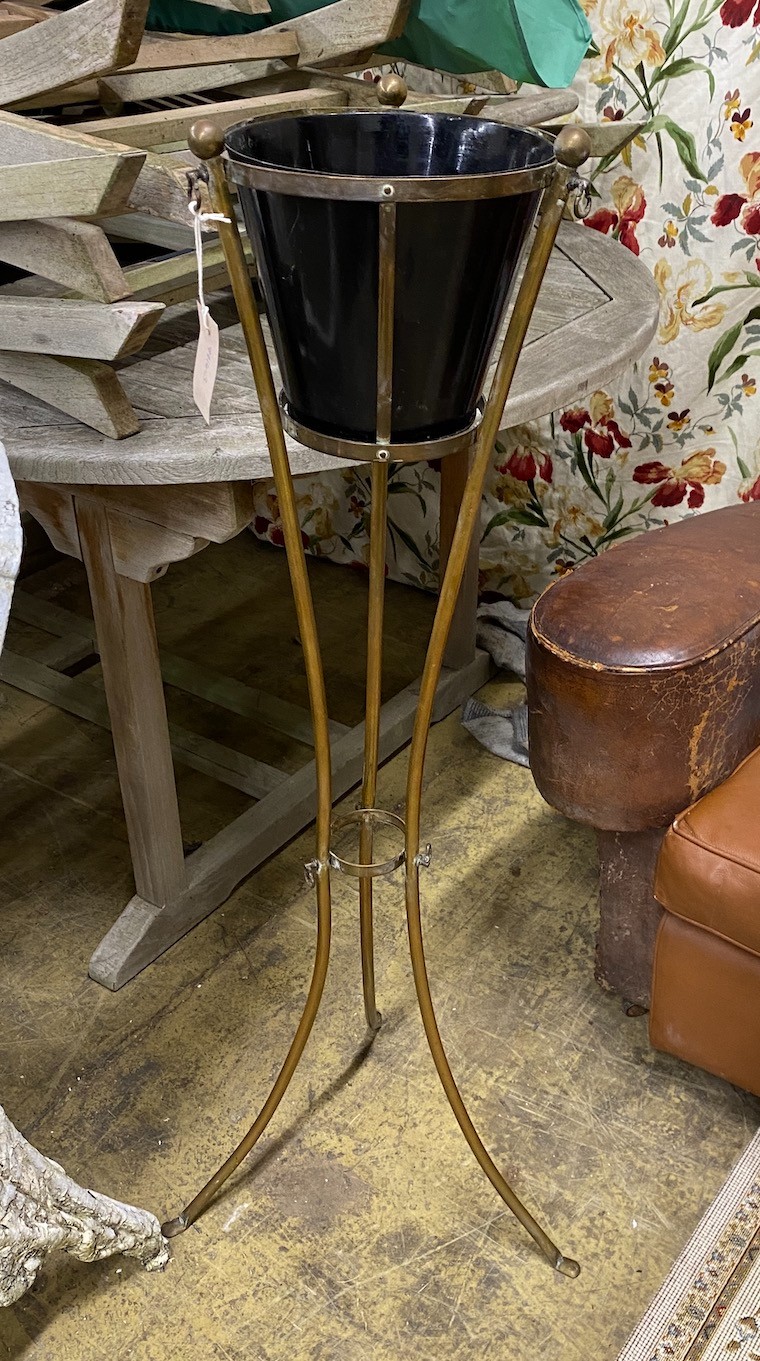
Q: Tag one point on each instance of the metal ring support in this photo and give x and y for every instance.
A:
(366, 817)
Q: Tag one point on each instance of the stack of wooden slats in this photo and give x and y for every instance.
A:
(94, 116)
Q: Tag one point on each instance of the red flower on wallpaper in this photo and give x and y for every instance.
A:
(272, 531)
(734, 13)
(729, 207)
(527, 464)
(601, 432)
(629, 209)
(751, 493)
(696, 472)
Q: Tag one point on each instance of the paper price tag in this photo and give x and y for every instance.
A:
(206, 361)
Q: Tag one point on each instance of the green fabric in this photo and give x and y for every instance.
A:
(542, 43)
(539, 41)
(186, 16)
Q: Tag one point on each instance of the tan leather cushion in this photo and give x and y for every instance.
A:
(709, 867)
(706, 1003)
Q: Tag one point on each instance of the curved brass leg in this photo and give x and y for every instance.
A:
(377, 538)
(467, 521)
(251, 324)
(367, 937)
(199, 1203)
(566, 1265)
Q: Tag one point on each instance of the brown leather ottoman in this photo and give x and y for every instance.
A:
(643, 674)
(706, 984)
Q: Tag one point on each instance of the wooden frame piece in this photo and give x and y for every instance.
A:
(163, 54)
(242, 6)
(148, 130)
(129, 88)
(175, 278)
(84, 388)
(63, 326)
(347, 31)
(77, 255)
(61, 172)
(89, 40)
(160, 190)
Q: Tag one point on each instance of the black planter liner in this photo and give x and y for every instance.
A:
(318, 260)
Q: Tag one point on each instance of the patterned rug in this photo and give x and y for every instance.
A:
(709, 1307)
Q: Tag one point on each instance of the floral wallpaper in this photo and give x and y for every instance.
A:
(682, 432)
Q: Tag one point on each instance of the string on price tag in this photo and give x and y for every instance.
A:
(207, 353)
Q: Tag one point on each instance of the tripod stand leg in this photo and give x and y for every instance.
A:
(378, 531)
(566, 1265)
(467, 520)
(206, 142)
(200, 1202)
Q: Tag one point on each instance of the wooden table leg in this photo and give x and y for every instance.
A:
(126, 632)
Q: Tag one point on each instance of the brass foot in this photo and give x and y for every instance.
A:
(173, 1227)
(567, 1266)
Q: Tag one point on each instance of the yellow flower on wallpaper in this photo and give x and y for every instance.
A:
(628, 35)
(574, 522)
(678, 294)
(740, 124)
(317, 507)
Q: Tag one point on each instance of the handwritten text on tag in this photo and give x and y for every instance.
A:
(206, 360)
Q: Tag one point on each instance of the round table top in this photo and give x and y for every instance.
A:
(596, 312)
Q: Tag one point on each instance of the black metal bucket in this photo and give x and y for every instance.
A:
(465, 192)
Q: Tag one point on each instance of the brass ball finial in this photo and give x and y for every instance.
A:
(572, 146)
(392, 90)
(205, 139)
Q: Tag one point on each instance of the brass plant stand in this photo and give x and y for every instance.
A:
(558, 180)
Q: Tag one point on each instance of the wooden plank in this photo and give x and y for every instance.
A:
(243, 699)
(84, 388)
(190, 677)
(61, 326)
(34, 13)
(242, 6)
(160, 191)
(89, 40)
(47, 171)
(75, 254)
(152, 230)
(345, 31)
(215, 511)
(172, 125)
(123, 88)
(10, 24)
(142, 550)
(79, 697)
(175, 278)
(607, 139)
(140, 556)
(80, 92)
(162, 54)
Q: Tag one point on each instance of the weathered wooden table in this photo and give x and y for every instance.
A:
(130, 508)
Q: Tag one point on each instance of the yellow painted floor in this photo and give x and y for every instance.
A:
(362, 1229)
